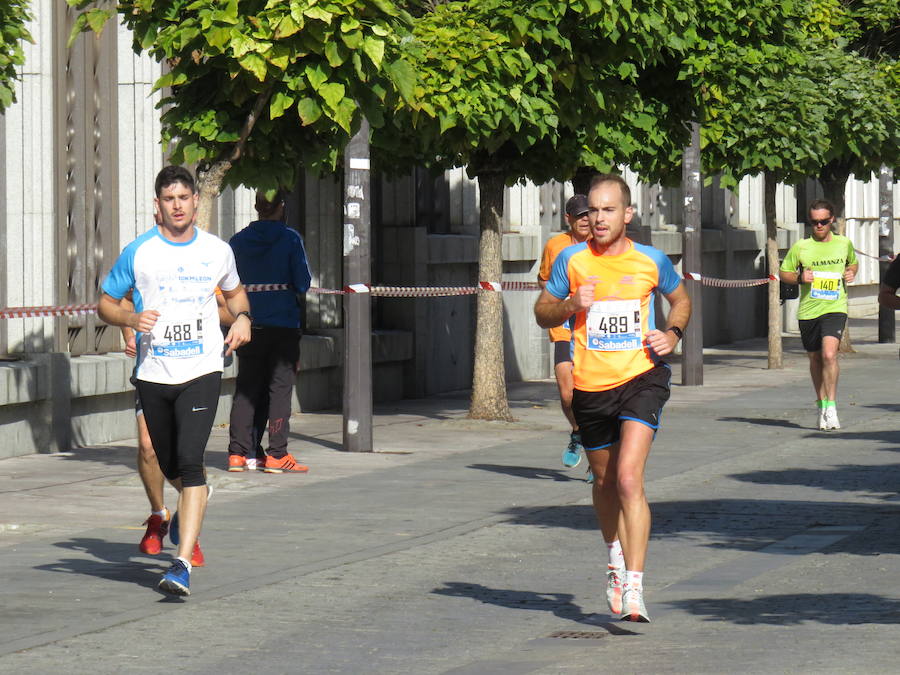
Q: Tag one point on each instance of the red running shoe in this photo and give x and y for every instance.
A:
(286, 464)
(157, 528)
(197, 559)
(237, 463)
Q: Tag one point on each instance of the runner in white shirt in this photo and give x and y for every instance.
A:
(173, 271)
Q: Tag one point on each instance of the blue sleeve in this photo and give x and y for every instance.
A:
(558, 283)
(120, 279)
(299, 266)
(668, 277)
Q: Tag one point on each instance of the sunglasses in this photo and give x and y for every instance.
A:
(826, 221)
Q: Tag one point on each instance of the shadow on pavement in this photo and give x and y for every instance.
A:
(742, 524)
(109, 455)
(559, 604)
(880, 480)
(527, 472)
(313, 440)
(765, 421)
(891, 407)
(835, 609)
(111, 560)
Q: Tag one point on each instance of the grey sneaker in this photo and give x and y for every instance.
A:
(831, 418)
(615, 578)
(633, 608)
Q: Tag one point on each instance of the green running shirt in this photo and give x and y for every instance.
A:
(827, 260)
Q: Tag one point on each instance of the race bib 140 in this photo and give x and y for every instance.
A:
(825, 286)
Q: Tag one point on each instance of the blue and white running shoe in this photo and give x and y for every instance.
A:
(177, 581)
(571, 456)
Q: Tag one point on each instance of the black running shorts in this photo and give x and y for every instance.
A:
(813, 330)
(179, 418)
(562, 352)
(600, 414)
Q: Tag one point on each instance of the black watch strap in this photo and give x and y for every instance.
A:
(675, 329)
(247, 314)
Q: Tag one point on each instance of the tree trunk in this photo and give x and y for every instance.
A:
(834, 177)
(209, 182)
(776, 360)
(489, 401)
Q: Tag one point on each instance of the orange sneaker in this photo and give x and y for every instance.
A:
(157, 528)
(237, 463)
(197, 559)
(284, 464)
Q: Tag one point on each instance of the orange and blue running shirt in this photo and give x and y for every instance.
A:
(551, 251)
(609, 337)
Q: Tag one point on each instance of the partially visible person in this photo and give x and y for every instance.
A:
(887, 293)
(173, 271)
(561, 336)
(267, 251)
(822, 265)
(608, 285)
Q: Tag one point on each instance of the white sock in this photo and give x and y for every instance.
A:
(634, 579)
(187, 563)
(161, 514)
(616, 557)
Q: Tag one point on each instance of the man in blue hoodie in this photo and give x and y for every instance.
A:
(268, 252)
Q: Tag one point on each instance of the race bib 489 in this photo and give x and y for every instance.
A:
(614, 326)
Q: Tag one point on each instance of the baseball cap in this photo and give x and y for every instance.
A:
(577, 206)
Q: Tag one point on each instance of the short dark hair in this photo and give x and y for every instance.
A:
(613, 178)
(266, 208)
(818, 204)
(174, 174)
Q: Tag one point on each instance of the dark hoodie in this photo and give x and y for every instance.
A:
(269, 252)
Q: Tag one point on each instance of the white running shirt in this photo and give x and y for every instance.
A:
(179, 281)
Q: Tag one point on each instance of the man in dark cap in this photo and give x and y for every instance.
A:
(561, 336)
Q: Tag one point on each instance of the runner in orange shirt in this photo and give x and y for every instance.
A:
(608, 285)
(561, 336)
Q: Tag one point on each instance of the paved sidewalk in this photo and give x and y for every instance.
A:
(465, 547)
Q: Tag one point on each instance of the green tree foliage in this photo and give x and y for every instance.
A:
(515, 91)
(275, 83)
(13, 16)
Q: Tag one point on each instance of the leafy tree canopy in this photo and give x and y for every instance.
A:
(792, 109)
(13, 17)
(315, 67)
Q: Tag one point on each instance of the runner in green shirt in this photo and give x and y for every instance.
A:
(822, 265)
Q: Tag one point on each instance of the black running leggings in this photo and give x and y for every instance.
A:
(179, 418)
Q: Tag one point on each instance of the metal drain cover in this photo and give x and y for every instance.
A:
(578, 634)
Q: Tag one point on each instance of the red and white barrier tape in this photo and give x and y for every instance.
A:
(728, 283)
(257, 288)
(879, 258)
(376, 291)
(48, 310)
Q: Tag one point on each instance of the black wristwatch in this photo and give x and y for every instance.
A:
(247, 314)
(675, 329)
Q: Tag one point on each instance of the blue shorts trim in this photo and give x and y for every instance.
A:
(644, 422)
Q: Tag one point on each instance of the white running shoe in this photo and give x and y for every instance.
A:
(823, 420)
(615, 578)
(831, 418)
(633, 608)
